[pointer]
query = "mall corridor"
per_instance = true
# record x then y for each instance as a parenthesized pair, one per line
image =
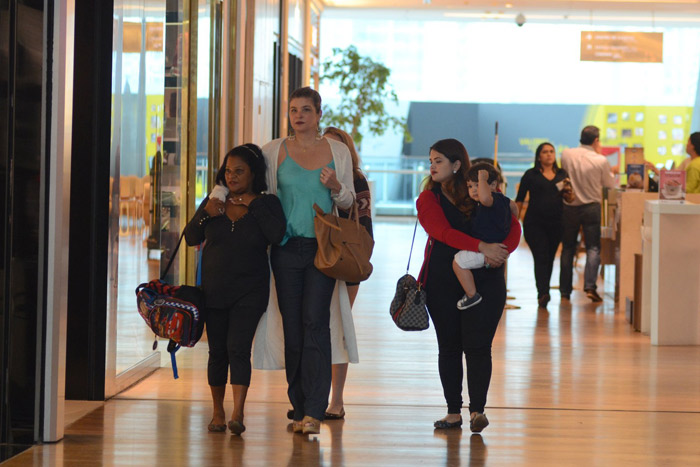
(572, 385)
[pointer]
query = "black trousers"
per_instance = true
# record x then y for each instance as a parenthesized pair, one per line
(230, 332)
(304, 296)
(543, 238)
(469, 333)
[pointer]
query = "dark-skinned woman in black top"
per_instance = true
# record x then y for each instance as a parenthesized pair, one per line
(548, 185)
(235, 272)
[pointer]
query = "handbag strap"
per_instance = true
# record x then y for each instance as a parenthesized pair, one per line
(172, 257)
(423, 274)
(410, 252)
(353, 213)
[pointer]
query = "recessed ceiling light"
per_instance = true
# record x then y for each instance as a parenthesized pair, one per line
(509, 5)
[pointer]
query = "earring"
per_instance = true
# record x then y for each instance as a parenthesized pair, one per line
(318, 132)
(454, 171)
(292, 137)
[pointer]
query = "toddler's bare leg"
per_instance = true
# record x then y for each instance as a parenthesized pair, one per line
(466, 278)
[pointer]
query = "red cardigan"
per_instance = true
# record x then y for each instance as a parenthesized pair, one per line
(433, 220)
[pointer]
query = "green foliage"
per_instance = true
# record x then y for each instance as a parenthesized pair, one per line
(364, 88)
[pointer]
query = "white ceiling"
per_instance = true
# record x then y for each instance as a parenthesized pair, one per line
(624, 5)
(651, 13)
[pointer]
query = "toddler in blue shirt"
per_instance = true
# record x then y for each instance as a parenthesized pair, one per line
(490, 223)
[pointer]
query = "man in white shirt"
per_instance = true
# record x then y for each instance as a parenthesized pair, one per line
(589, 172)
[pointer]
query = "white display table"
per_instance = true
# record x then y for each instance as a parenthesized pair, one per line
(671, 273)
(631, 206)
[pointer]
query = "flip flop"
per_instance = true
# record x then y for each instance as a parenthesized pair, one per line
(443, 424)
(335, 416)
(236, 427)
(216, 428)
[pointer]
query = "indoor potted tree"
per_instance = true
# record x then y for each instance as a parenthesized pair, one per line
(364, 90)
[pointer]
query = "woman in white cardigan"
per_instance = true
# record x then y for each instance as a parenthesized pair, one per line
(302, 170)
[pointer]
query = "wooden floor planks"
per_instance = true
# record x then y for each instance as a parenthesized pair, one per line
(572, 385)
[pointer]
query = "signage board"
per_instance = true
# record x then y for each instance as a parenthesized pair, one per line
(618, 46)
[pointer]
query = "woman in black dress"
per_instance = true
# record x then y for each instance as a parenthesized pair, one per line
(548, 185)
(235, 272)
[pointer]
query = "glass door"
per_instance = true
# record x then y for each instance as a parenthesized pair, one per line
(164, 126)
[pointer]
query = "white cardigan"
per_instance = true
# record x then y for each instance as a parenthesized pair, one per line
(343, 170)
(268, 348)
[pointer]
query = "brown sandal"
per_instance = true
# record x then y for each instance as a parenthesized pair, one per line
(297, 426)
(311, 426)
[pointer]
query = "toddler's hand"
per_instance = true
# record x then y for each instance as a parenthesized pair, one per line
(483, 176)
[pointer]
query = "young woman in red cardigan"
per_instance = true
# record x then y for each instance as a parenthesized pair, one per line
(444, 211)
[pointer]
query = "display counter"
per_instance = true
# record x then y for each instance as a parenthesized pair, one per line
(671, 273)
(631, 205)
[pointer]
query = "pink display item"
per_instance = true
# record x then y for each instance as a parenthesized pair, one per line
(672, 185)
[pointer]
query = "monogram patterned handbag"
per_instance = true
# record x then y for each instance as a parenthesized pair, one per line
(408, 308)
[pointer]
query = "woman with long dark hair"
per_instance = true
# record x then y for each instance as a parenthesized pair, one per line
(548, 185)
(444, 211)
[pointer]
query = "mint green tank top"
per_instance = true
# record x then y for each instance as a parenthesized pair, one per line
(298, 189)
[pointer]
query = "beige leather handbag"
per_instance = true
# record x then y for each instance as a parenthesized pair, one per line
(344, 246)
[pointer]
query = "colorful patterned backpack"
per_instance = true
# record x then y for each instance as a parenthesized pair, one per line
(172, 312)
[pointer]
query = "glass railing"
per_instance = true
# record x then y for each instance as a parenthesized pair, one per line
(397, 181)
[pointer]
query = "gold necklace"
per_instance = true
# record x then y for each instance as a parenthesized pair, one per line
(305, 148)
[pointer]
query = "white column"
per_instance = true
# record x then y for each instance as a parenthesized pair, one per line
(58, 211)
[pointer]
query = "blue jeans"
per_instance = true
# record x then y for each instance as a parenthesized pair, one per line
(304, 296)
(586, 216)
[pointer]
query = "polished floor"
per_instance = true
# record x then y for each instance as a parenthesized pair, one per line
(573, 384)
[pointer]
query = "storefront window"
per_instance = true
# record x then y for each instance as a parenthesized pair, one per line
(314, 53)
(137, 104)
(153, 155)
(295, 18)
(206, 140)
